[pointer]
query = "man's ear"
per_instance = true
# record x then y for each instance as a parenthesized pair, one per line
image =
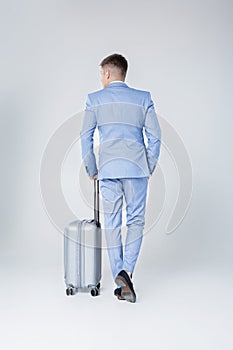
(108, 73)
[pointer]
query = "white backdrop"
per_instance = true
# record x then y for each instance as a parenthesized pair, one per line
(181, 51)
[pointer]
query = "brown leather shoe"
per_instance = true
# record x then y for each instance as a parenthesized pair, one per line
(127, 290)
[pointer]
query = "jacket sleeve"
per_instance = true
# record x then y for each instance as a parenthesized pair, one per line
(153, 134)
(86, 135)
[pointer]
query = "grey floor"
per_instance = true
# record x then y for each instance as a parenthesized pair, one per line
(178, 307)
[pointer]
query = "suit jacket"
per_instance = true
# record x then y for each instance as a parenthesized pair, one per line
(122, 114)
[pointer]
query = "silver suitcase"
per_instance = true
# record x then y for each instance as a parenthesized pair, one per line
(82, 252)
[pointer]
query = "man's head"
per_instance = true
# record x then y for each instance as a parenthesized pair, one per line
(113, 67)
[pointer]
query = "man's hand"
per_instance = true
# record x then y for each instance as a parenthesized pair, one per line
(93, 177)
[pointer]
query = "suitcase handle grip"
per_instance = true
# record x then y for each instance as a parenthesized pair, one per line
(96, 202)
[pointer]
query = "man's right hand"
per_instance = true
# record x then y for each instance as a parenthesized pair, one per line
(94, 177)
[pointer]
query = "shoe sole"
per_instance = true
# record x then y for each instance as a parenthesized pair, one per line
(126, 292)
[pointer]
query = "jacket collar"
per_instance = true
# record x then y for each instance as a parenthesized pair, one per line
(117, 83)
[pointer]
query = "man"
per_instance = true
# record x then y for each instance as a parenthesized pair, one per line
(121, 113)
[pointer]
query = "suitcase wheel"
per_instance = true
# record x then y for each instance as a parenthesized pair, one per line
(95, 292)
(70, 291)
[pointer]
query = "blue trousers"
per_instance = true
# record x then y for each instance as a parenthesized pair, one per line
(134, 190)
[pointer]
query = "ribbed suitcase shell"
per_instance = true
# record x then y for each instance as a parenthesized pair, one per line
(82, 256)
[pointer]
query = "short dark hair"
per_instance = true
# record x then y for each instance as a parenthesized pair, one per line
(116, 60)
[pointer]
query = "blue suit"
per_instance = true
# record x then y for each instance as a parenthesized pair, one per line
(122, 114)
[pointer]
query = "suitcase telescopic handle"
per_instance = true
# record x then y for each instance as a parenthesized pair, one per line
(96, 202)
